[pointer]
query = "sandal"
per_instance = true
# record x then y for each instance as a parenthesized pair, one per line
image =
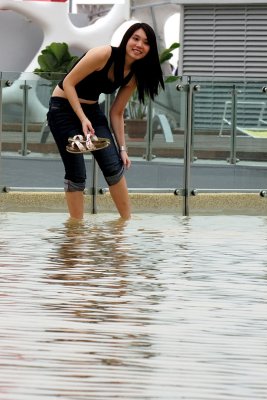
(79, 145)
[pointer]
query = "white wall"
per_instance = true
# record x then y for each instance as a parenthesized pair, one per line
(16, 33)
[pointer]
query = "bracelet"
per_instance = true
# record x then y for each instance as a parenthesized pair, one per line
(123, 148)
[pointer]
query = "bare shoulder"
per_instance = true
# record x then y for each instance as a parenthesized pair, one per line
(94, 60)
(100, 53)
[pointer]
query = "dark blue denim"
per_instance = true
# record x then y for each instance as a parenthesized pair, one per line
(64, 123)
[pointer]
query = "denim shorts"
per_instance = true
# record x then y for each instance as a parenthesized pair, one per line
(64, 123)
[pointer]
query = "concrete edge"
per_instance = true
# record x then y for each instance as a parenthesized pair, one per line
(219, 203)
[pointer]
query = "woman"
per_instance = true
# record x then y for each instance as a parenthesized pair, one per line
(74, 110)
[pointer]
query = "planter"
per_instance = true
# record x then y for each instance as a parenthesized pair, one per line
(135, 128)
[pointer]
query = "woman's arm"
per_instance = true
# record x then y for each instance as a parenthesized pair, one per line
(117, 118)
(94, 60)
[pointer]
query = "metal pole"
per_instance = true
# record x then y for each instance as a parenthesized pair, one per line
(232, 158)
(107, 106)
(25, 89)
(94, 185)
(187, 149)
(149, 156)
(95, 165)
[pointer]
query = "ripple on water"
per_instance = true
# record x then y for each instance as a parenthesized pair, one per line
(159, 307)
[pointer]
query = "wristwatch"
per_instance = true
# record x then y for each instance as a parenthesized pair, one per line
(123, 148)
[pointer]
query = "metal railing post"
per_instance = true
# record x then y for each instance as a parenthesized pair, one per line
(232, 158)
(107, 106)
(25, 94)
(95, 167)
(187, 148)
(149, 156)
(94, 186)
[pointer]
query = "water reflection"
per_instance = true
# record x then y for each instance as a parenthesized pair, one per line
(159, 307)
(109, 299)
(84, 249)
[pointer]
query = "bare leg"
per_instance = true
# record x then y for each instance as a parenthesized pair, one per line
(75, 202)
(120, 196)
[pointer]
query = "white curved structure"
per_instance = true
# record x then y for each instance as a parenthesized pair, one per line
(54, 20)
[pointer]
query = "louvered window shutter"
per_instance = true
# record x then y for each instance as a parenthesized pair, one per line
(224, 41)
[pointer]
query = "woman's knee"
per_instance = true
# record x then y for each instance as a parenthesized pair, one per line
(114, 178)
(70, 186)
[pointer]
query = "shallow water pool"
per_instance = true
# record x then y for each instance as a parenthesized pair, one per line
(159, 307)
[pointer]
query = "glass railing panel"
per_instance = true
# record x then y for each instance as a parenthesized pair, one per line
(29, 155)
(168, 123)
(160, 142)
(25, 98)
(210, 138)
(31, 159)
(228, 143)
(136, 115)
(166, 130)
(12, 112)
(251, 123)
(226, 158)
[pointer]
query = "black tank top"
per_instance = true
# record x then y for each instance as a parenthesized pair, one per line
(98, 82)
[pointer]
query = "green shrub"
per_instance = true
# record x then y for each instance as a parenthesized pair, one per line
(55, 61)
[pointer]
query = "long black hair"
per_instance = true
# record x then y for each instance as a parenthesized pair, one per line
(147, 71)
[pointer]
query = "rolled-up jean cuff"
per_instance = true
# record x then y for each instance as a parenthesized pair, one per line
(70, 186)
(112, 180)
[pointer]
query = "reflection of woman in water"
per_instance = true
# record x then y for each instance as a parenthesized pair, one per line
(100, 304)
(79, 251)
(94, 263)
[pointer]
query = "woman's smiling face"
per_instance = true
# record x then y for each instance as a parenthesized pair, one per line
(137, 46)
